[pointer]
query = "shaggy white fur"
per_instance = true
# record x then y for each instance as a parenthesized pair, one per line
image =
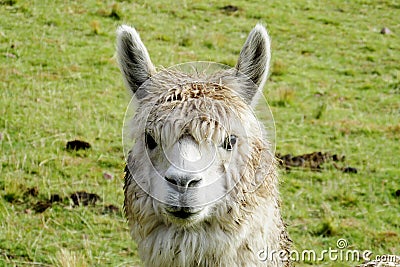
(201, 187)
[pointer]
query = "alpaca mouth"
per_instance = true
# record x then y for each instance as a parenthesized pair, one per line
(183, 213)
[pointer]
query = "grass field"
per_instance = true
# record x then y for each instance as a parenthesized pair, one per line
(334, 87)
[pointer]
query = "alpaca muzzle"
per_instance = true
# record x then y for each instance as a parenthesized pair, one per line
(183, 213)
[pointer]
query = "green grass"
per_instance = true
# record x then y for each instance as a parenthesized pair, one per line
(334, 87)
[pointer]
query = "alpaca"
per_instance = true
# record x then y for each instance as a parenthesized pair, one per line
(201, 186)
(383, 261)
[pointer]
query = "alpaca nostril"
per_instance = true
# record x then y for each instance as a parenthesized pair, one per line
(183, 181)
(171, 180)
(194, 182)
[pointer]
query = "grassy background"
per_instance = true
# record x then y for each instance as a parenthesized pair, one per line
(335, 86)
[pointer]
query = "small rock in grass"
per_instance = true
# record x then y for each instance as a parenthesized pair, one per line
(385, 31)
(28, 211)
(10, 55)
(77, 145)
(108, 176)
(397, 193)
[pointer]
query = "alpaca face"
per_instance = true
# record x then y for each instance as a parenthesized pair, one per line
(192, 158)
(195, 133)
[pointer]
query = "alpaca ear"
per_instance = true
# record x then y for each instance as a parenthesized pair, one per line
(254, 61)
(133, 58)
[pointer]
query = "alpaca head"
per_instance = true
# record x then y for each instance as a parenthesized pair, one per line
(196, 137)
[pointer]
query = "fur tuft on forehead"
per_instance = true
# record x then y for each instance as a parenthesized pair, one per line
(172, 85)
(205, 110)
(185, 91)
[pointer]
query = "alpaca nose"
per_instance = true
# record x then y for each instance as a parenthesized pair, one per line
(182, 179)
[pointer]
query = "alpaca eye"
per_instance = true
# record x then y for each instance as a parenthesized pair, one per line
(229, 142)
(150, 142)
